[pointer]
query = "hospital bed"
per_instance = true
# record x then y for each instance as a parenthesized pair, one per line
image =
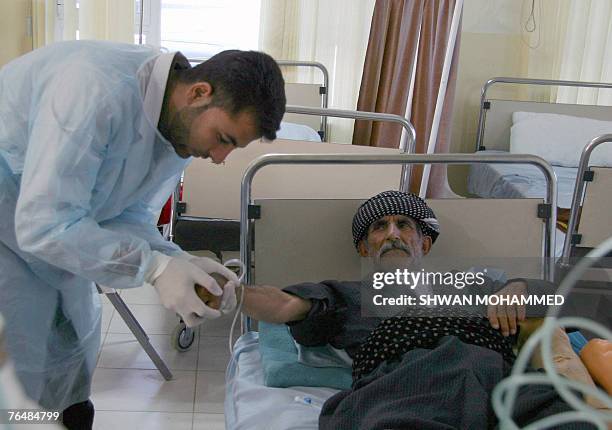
(210, 206)
(271, 228)
(495, 124)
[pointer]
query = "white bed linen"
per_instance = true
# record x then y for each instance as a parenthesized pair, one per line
(508, 181)
(559, 139)
(292, 131)
(249, 404)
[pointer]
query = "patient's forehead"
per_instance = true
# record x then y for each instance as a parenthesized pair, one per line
(393, 218)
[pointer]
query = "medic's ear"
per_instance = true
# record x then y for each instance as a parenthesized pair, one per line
(199, 94)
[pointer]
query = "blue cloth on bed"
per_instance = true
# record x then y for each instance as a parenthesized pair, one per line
(323, 356)
(577, 340)
(281, 367)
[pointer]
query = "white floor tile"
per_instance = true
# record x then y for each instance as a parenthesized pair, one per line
(214, 353)
(218, 327)
(210, 392)
(116, 420)
(107, 314)
(145, 295)
(142, 390)
(154, 319)
(122, 351)
(208, 422)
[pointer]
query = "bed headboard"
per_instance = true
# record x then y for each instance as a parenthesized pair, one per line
(213, 191)
(303, 95)
(498, 117)
(495, 117)
(301, 240)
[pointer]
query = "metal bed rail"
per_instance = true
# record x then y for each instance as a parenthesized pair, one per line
(407, 145)
(324, 90)
(579, 188)
(246, 230)
(523, 81)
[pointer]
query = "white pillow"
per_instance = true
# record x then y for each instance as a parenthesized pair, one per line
(559, 139)
(291, 131)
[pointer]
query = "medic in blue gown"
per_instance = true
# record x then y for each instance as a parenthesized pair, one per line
(93, 139)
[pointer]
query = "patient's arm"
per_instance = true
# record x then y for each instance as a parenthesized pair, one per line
(269, 304)
(261, 302)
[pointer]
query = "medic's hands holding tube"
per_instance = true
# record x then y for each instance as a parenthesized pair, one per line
(175, 279)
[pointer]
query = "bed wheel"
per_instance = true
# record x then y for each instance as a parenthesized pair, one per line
(182, 337)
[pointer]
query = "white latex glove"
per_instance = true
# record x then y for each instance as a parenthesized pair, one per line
(175, 279)
(211, 266)
(228, 300)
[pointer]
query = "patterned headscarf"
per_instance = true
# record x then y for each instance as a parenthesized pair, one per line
(394, 203)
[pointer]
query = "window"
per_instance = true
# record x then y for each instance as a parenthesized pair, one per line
(201, 28)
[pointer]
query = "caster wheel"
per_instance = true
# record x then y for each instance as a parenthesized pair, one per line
(182, 337)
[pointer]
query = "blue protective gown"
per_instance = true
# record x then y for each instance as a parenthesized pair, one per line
(83, 174)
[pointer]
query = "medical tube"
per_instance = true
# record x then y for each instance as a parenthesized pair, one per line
(242, 272)
(504, 394)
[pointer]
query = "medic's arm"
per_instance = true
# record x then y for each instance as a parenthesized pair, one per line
(140, 219)
(70, 132)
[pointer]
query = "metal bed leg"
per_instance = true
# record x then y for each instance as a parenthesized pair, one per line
(140, 334)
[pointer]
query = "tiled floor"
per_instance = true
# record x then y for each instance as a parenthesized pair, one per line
(129, 392)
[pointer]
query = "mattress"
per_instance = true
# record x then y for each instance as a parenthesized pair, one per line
(519, 181)
(249, 404)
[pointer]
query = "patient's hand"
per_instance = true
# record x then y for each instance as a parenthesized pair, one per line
(507, 317)
(207, 297)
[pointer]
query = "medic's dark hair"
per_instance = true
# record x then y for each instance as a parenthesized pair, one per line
(244, 81)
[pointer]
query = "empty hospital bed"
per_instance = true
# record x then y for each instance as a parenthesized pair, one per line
(271, 228)
(556, 132)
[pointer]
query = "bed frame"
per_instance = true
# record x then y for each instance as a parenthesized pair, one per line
(591, 200)
(495, 116)
(591, 190)
(279, 240)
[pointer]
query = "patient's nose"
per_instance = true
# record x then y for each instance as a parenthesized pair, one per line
(393, 231)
